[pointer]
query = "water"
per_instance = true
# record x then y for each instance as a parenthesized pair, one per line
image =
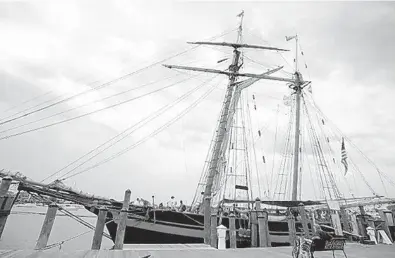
(24, 225)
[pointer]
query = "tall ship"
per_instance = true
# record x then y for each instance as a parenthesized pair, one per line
(309, 155)
(226, 183)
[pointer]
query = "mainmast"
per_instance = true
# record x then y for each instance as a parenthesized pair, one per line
(297, 87)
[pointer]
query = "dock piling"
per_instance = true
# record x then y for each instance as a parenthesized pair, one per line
(6, 202)
(263, 226)
(47, 226)
(123, 215)
(383, 216)
(291, 228)
(5, 185)
(207, 220)
(345, 220)
(100, 223)
(232, 231)
(304, 219)
(214, 239)
(254, 223)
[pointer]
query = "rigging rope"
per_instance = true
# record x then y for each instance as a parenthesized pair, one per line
(101, 86)
(380, 173)
(141, 123)
(160, 129)
(87, 104)
(92, 112)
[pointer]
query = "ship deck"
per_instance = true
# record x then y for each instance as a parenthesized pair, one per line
(192, 251)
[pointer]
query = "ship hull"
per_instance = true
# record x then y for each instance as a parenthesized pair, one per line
(171, 227)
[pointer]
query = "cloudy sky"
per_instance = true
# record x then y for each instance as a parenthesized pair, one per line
(50, 51)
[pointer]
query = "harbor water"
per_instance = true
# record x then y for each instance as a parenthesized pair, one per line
(24, 225)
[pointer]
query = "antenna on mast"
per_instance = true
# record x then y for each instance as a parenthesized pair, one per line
(240, 31)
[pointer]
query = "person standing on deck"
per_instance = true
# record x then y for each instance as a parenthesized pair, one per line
(172, 203)
(182, 207)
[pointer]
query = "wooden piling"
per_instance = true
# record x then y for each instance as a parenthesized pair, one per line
(305, 221)
(100, 223)
(6, 202)
(362, 222)
(123, 215)
(5, 185)
(207, 219)
(232, 231)
(386, 228)
(345, 220)
(254, 229)
(214, 237)
(291, 228)
(47, 226)
(336, 222)
(312, 219)
(263, 227)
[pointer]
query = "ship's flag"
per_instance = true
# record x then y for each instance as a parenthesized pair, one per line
(240, 14)
(344, 157)
(288, 38)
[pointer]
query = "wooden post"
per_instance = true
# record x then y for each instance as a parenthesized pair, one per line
(6, 202)
(5, 185)
(354, 224)
(214, 238)
(263, 226)
(207, 219)
(100, 223)
(362, 223)
(345, 220)
(336, 222)
(123, 215)
(47, 226)
(232, 231)
(305, 222)
(291, 228)
(153, 208)
(384, 218)
(313, 223)
(254, 229)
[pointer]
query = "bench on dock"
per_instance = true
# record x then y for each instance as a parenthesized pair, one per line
(304, 247)
(336, 243)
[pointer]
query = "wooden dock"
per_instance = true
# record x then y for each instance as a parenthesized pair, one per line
(199, 251)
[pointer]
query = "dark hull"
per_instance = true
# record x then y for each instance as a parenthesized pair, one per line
(170, 227)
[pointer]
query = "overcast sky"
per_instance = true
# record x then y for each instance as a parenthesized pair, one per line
(59, 49)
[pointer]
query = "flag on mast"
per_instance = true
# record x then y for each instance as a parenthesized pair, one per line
(344, 157)
(240, 14)
(288, 38)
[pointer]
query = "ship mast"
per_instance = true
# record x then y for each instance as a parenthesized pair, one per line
(298, 91)
(231, 98)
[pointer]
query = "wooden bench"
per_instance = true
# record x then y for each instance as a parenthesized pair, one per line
(336, 243)
(304, 247)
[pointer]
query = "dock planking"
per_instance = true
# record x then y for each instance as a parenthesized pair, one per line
(199, 251)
